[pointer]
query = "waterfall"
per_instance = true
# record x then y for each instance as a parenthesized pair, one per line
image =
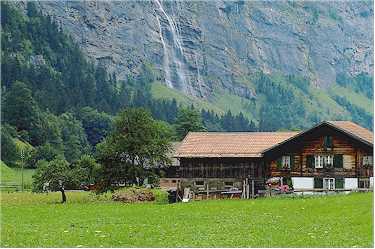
(174, 58)
(166, 67)
(175, 34)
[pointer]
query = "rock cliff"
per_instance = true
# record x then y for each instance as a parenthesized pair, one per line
(198, 46)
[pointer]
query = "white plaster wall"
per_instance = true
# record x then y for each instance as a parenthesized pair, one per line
(303, 182)
(351, 183)
(371, 182)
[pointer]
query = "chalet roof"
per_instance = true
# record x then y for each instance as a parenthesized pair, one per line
(229, 144)
(255, 144)
(347, 127)
(354, 130)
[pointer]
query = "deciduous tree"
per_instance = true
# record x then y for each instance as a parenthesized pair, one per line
(136, 143)
(58, 176)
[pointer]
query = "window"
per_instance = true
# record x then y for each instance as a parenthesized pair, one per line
(367, 161)
(174, 181)
(364, 183)
(328, 161)
(329, 183)
(285, 162)
(318, 162)
(323, 161)
(327, 142)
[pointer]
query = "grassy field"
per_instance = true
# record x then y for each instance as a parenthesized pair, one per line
(14, 176)
(36, 220)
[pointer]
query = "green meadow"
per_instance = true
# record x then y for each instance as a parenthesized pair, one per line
(87, 220)
(13, 176)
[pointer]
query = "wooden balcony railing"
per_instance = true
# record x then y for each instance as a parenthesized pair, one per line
(365, 172)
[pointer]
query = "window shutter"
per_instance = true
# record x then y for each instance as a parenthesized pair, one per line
(288, 181)
(339, 183)
(338, 161)
(330, 142)
(279, 164)
(318, 183)
(292, 162)
(325, 142)
(310, 161)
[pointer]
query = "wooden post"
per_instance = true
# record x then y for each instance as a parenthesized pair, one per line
(247, 188)
(252, 189)
(244, 189)
(177, 189)
(22, 163)
(207, 191)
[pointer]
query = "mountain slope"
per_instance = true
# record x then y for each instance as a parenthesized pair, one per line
(213, 49)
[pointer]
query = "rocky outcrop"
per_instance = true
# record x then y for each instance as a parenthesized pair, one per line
(197, 47)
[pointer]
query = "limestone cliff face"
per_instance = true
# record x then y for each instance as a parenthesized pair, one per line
(198, 46)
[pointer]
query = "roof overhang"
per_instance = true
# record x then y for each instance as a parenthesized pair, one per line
(324, 123)
(218, 155)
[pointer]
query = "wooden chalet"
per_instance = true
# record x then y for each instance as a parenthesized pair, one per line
(331, 155)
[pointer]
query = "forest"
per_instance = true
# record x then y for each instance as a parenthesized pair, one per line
(56, 103)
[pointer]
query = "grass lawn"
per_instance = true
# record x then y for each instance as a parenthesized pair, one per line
(37, 220)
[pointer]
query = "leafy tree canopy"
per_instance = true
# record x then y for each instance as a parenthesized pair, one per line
(56, 175)
(136, 143)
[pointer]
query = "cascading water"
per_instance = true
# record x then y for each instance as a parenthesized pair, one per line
(174, 59)
(166, 67)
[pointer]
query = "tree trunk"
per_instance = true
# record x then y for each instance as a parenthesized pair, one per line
(63, 196)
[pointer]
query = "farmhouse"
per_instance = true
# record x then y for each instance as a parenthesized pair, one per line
(331, 155)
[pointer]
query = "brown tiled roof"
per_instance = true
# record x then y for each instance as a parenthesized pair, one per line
(354, 129)
(229, 144)
(175, 146)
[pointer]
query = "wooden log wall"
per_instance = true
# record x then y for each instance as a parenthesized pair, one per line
(239, 168)
(314, 145)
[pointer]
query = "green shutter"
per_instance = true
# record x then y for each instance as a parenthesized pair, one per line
(339, 183)
(288, 181)
(330, 142)
(327, 142)
(338, 161)
(310, 161)
(318, 183)
(279, 163)
(325, 138)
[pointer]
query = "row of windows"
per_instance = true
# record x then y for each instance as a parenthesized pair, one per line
(338, 183)
(321, 161)
(329, 183)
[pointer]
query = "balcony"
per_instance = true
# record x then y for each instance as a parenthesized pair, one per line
(365, 172)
